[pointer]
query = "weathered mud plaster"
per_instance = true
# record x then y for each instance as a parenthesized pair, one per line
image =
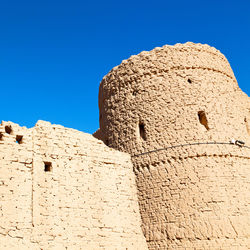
(64, 189)
(191, 195)
(173, 111)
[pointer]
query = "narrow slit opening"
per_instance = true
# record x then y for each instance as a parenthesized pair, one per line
(203, 119)
(247, 125)
(142, 131)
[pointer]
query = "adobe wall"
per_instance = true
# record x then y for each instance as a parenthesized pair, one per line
(15, 187)
(191, 194)
(86, 198)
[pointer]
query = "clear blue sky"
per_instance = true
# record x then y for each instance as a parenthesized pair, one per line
(55, 53)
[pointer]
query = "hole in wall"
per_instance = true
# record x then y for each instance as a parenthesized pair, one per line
(247, 125)
(47, 166)
(106, 142)
(1, 136)
(19, 139)
(135, 92)
(8, 129)
(203, 119)
(142, 131)
(189, 80)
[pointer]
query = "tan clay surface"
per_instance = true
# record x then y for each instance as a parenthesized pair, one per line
(173, 111)
(64, 189)
(192, 195)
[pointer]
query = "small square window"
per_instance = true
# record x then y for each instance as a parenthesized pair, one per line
(19, 139)
(8, 129)
(47, 166)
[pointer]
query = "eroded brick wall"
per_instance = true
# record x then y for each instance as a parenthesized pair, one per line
(15, 187)
(190, 196)
(61, 188)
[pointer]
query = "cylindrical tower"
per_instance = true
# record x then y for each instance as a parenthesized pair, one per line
(175, 109)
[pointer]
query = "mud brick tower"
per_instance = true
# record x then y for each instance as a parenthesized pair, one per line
(175, 109)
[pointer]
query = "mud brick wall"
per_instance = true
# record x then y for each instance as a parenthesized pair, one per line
(15, 186)
(178, 97)
(61, 188)
(174, 110)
